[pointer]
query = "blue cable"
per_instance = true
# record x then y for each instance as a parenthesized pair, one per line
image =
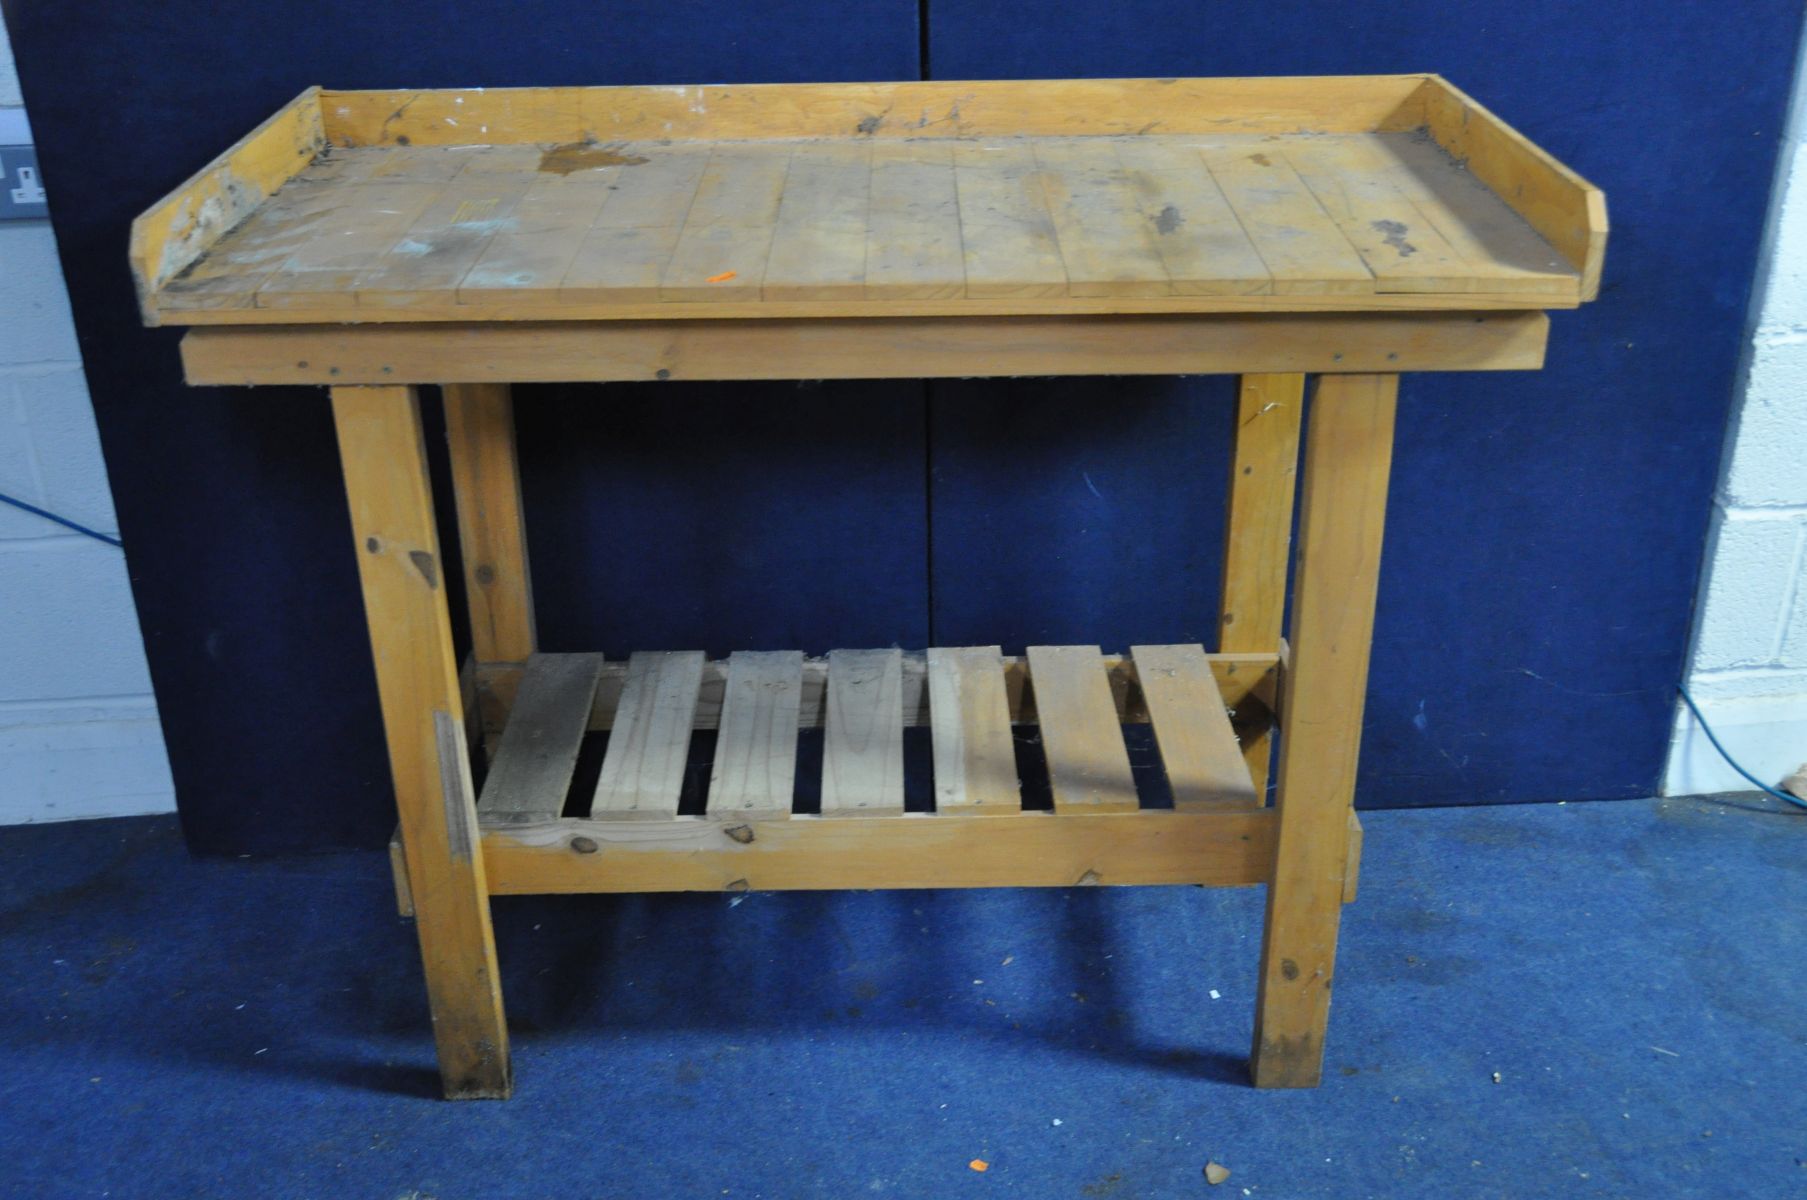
(1708, 730)
(64, 521)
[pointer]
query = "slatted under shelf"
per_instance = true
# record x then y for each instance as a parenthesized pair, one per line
(862, 700)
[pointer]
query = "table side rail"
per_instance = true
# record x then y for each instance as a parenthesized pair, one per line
(866, 348)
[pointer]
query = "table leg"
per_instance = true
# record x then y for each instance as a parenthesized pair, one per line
(492, 537)
(486, 482)
(1348, 453)
(1258, 529)
(399, 566)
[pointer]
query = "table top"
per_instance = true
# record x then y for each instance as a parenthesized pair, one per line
(1270, 210)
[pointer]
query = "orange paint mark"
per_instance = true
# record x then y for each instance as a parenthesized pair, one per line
(979, 1165)
(724, 277)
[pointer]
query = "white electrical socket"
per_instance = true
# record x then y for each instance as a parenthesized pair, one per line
(28, 191)
(21, 189)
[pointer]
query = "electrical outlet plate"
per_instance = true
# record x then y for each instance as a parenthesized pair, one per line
(21, 187)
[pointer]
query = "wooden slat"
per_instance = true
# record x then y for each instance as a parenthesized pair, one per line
(1204, 248)
(455, 116)
(1106, 242)
(1006, 235)
(969, 722)
(819, 241)
(727, 236)
(1343, 502)
(1198, 748)
(1244, 680)
(643, 768)
(913, 246)
(862, 748)
(623, 255)
(658, 193)
(1399, 245)
(520, 268)
(873, 349)
(617, 265)
(444, 242)
(934, 109)
(1299, 244)
(756, 751)
(916, 850)
(1088, 762)
(427, 164)
(1412, 238)
(531, 771)
(527, 260)
(324, 270)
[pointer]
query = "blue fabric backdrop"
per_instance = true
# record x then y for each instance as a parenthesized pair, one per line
(1545, 530)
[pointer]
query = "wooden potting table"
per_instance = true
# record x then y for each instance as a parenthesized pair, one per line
(1348, 228)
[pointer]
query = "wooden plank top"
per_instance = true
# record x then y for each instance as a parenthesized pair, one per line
(1016, 212)
(362, 234)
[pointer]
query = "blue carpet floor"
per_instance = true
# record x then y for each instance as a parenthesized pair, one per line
(1579, 1000)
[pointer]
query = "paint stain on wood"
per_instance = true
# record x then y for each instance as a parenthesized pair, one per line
(1394, 234)
(586, 156)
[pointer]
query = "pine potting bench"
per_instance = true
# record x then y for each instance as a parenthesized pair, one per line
(1345, 228)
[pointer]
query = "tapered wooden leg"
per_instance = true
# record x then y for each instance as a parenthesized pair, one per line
(1258, 530)
(1348, 452)
(399, 566)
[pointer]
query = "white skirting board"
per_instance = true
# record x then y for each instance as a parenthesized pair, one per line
(1766, 734)
(64, 764)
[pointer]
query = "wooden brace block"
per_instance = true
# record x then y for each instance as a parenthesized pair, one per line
(398, 869)
(1352, 871)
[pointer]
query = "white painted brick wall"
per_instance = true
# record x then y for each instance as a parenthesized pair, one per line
(79, 735)
(1748, 668)
(9, 78)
